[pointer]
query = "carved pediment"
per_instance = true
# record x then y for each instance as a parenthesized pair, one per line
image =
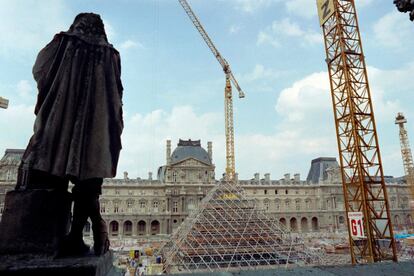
(191, 162)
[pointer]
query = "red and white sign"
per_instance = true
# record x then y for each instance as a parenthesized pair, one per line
(356, 224)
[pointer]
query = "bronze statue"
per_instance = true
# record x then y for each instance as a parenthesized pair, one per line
(405, 6)
(78, 125)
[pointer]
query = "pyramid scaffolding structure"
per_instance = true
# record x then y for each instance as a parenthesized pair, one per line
(229, 232)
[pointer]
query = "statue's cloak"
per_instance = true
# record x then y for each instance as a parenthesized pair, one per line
(79, 108)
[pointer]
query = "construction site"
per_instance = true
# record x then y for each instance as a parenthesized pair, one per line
(229, 231)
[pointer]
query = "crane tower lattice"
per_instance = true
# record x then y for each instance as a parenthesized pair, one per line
(228, 95)
(364, 187)
(407, 157)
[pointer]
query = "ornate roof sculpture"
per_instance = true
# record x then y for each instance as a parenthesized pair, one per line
(12, 157)
(318, 169)
(9, 164)
(229, 232)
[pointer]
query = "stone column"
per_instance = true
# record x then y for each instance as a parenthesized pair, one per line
(168, 152)
(121, 229)
(148, 226)
(210, 150)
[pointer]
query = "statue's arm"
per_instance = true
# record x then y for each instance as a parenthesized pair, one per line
(117, 66)
(42, 69)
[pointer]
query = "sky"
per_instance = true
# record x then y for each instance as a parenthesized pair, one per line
(174, 87)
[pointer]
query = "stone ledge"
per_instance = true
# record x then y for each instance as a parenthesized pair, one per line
(34, 265)
(377, 269)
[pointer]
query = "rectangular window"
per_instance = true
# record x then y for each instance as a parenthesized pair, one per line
(175, 207)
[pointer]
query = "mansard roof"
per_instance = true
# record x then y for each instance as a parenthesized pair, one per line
(190, 149)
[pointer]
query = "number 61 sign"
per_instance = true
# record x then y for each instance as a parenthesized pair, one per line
(356, 224)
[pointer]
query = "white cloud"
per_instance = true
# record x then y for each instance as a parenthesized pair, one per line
(286, 28)
(18, 121)
(24, 89)
(306, 109)
(234, 29)
(307, 9)
(264, 37)
(145, 135)
(260, 72)
(250, 6)
(363, 3)
(303, 8)
(27, 25)
(305, 129)
(393, 31)
(305, 98)
(109, 31)
(130, 44)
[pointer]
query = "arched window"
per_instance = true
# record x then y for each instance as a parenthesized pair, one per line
(127, 228)
(87, 229)
(113, 228)
(155, 227)
(315, 224)
(142, 229)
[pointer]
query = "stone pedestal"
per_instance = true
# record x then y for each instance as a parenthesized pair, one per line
(34, 221)
(33, 265)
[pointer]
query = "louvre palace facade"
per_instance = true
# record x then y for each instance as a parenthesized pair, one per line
(154, 207)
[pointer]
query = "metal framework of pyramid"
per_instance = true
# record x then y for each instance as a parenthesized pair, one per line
(228, 232)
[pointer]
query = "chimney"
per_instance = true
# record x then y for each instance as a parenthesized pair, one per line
(236, 177)
(287, 177)
(149, 175)
(210, 150)
(126, 175)
(256, 177)
(267, 177)
(168, 153)
(297, 177)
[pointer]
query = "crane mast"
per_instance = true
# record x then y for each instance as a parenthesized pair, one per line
(228, 95)
(407, 156)
(365, 193)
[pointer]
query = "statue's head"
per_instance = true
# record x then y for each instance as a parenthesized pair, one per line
(404, 5)
(88, 24)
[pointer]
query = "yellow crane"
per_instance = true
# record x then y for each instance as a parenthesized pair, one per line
(367, 207)
(228, 96)
(407, 157)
